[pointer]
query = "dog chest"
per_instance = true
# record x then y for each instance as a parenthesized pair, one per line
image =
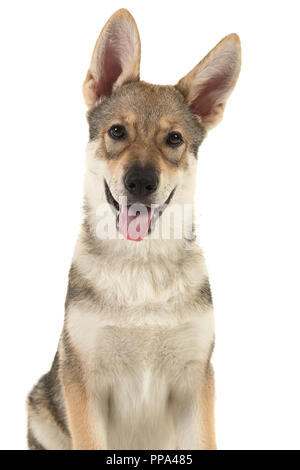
(134, 366)
(140, 352)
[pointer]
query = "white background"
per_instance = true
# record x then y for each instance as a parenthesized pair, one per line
(248, 196)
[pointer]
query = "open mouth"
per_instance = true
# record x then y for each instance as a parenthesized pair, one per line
(136, 221)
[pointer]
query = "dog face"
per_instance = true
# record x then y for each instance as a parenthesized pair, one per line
(144, 138)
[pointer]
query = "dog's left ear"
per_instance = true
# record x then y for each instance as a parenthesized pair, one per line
(207, 87)
(116, 58)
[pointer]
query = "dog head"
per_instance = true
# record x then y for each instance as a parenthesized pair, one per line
(144, 138)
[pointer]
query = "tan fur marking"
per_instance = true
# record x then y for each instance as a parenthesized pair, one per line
(77, 400)
(207, 400)
(77, 405)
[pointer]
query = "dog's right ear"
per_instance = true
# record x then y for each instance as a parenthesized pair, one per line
(116, 58)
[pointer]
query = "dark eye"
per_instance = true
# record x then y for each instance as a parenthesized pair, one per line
(174, 139)
(117, 132)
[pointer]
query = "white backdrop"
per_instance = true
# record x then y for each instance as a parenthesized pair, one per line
(248, 196)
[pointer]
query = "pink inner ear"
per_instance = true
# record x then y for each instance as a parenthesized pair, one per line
(111, 69)
(209, 93)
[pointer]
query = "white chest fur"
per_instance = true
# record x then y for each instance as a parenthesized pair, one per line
(151, 343)
(138, 367)
(144, 340)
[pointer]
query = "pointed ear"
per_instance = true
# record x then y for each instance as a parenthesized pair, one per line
(209, 84)
(116, 58)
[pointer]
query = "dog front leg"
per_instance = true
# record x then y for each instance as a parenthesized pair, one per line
(85, 417)
(193, 413)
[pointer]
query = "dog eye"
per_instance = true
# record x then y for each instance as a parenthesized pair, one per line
(117, 132)
(174, 139)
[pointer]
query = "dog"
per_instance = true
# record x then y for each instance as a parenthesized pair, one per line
(133, 365)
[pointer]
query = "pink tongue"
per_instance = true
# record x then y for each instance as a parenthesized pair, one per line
(134, 221)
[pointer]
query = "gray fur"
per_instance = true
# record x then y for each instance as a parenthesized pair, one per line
(205, 293)
(149, 103)
(33, 443)
(48, 394)
(79, 288)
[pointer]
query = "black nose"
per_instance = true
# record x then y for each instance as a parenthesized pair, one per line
(141, 182)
